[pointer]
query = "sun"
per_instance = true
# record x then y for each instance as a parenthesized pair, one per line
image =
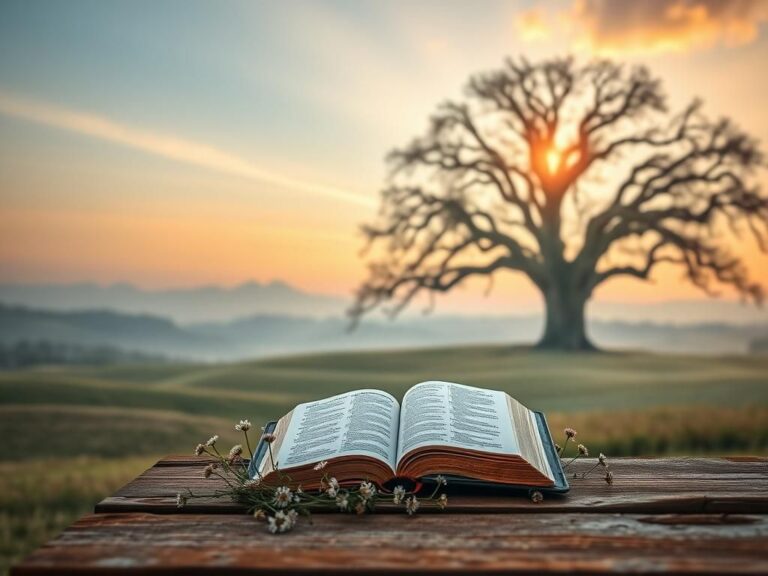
(554, 158)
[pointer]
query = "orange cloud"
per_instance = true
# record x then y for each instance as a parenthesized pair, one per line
(611, 27)
(532, 25)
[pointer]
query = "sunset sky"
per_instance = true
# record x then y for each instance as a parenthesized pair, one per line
(184, 143)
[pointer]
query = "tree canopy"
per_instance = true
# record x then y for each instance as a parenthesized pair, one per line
(571, 174)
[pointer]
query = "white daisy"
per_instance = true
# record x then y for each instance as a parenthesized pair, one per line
(208, 470)
(281, 521)
(243, 426)
(411, 505)
(283, 497)
(398, 494)
(367, 490)
(342, 501)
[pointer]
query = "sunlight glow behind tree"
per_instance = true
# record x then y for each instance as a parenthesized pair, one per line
(514, 178)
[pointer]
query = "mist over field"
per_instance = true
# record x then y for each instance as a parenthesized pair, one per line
(197, 199)
(214, 324)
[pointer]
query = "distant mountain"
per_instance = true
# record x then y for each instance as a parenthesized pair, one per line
(269, 335)
(25, 354)
(220, 304)
(93, 328)
(184, 305)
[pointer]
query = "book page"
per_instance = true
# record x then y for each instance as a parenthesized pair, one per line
(446, 414)
(362, 422)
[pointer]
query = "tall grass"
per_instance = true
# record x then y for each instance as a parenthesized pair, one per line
(39, 499)
(78, 433)
(65, 431)
(668, 430)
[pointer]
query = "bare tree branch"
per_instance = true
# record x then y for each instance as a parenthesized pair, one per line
(484, 188)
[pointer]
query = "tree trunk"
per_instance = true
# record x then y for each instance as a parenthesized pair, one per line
(565, 326)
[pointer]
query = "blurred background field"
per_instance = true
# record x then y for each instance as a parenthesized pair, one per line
(75, 434)
(182, 193)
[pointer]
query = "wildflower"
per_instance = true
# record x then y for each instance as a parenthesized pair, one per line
(281, 521)
(252, 483)
(259, 514)
(411, 505)
(570, 432)
(209, 470)
(235, 451)
(608, 477)
(283, 497)
(367, 490)
(583, 450)
(398, 494)
(360, 507)
(243, 426)
(212, 440)
(269, 438)
(199, 450)
(601, 459)
(321, 465)
(181, 500)
(441, 480)
(330, 486)
(537, 497)
(342, 501)
(443, 501)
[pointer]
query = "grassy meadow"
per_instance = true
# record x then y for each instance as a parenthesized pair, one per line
(75, 434)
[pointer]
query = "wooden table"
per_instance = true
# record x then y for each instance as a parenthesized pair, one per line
(675, 515)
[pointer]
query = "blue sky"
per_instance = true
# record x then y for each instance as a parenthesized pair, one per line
(175, 143)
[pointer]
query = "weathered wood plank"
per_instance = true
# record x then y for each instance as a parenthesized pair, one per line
(387, 544)
(675, 485)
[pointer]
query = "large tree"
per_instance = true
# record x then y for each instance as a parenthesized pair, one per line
(571, 174)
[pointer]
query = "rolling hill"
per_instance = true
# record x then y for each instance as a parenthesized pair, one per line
(269, 335)
(80, 432)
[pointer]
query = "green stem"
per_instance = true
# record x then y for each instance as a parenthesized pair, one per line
(571, 461)
(248, 444)
(590, 470)
(223, 477)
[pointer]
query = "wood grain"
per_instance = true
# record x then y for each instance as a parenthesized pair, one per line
(652, 486)
(680, 515)
(387, 544)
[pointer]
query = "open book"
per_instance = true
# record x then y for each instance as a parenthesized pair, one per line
(440, 428)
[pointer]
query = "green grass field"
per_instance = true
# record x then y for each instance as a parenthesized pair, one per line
(77, 434)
